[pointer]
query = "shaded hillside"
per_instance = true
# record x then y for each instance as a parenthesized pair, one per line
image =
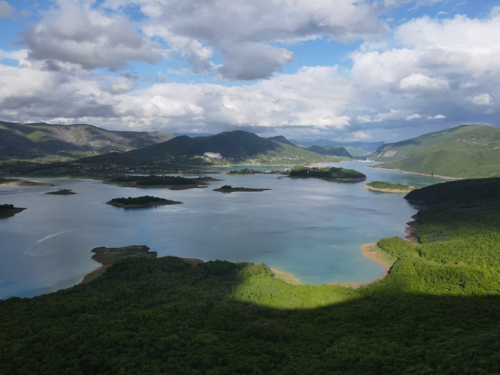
(465, 151)
(329, 150)
(435, 313)
(233, 147)
(40, 140)
(357, 148)
(281, 139)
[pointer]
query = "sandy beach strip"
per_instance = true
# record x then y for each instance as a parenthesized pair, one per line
(285, 276)
(382, 190)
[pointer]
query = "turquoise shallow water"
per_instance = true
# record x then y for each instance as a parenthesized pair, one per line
(309, 227)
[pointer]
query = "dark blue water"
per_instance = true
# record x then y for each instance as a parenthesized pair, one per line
(311, 228)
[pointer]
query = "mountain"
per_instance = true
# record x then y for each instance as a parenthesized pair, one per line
(281, 139)
(354, 148)
(42, 140)
(235, 146)
(329, 150)
(464, 151)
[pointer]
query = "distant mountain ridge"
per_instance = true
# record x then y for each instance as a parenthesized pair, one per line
(237, 145)
(40, 139)
(357, 148)
(465, 151)
(329, 150)
(281, 139)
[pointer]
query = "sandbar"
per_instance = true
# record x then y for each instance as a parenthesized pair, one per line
(287, 277)
(382, 190)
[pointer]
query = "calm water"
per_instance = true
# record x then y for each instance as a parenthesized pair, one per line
(309, 227)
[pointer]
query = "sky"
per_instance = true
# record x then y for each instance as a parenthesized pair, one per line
(348, 70)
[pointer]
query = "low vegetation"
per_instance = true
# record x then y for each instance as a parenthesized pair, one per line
(436, 312)
(389, 187)
(328, 173)
(464, 152)
(62, 192)
(144, 201)
(6, 207)
(230, 189)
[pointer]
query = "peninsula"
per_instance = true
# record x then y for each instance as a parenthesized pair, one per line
(140, 202)
(8, 210)
(107, 256)
(230, 189)
(161, 181)
(327, 173)
(388, 187)
(19, 182)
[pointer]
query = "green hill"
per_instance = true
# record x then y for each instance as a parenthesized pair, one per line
(435, 313)
(227, 147)
(28, 141)
(466, 151)
(329, 150)
(281, 139)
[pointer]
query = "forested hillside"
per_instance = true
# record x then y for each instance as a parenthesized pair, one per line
(27, 141)
(466, 151)
(436, 312)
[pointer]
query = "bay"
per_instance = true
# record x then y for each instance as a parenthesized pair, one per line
(309, 227)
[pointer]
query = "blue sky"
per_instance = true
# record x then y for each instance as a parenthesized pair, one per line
(339, 69)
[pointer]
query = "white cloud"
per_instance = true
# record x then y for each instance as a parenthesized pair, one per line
(393, 114)
(6, 10)
(415, 116)
(364, 119)
(439, 117)
(482, 99)
(361, 135)
(312, 97)
(80, 35)
(419, 83)
(244, 32)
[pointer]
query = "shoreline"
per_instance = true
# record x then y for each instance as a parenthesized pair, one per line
(377, 255)
(12, 212)
(421, 174)
(382, 190)
(287, 277)
(146, 205)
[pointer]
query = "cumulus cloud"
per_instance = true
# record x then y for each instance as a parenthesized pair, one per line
(420, 83)
(482, 99)
(364, 119)
(313, 97)
(6, 10)
(78, 34)
(414, 116)
(244, 31)
(249, 61)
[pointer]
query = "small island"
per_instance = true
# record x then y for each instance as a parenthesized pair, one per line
(140, 202)
(61, 192)
(327, 173)
(247, 171)
(161, 181)
(8, 210)
(230, 189)
(19, 182)
(109, 255)
(388, 187)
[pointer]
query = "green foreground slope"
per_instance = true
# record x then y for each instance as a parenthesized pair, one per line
(466, 151)
(436, 312)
